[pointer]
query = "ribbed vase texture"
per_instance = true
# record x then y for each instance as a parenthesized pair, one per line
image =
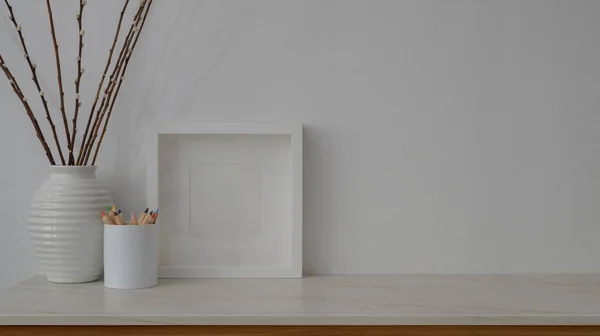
(65, 226)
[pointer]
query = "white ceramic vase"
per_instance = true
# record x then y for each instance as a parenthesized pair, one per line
(65, 226)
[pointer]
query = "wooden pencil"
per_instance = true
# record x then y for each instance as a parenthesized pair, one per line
(112, 217)
(141, 217)
(105, 218)
(133, 220)
(155, 216)
(118, 219)
(122, 219)
(148, 217)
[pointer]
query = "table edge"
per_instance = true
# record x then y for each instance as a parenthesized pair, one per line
(350, 320)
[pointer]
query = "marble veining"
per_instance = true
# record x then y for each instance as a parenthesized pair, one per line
(390, 299)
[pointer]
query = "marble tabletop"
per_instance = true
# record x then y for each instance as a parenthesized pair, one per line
(345, 300)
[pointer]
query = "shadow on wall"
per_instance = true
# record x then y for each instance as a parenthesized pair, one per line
(317, 199)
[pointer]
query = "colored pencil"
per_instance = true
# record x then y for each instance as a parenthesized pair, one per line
(115, 217)
(111, 215)
(105, 218)
(141, 217)
(148, 218)
(118, 219)
(121, 216)
(155, 216)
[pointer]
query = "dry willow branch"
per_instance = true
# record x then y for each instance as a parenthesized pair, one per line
(36, 126)
(60, 85)
(112, 83)
(110, 54)
(77, 80)
(129, 53)
(35, 79)
(108, 92)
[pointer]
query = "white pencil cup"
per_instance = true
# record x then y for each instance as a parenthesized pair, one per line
(130, 256)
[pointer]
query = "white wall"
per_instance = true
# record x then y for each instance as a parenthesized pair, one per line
(441, 136)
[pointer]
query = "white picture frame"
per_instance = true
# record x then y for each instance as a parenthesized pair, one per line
(224, 182)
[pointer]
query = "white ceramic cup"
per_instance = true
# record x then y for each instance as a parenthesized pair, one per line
(130, 256)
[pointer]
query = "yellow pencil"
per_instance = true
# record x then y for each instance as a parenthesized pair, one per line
(111, 216)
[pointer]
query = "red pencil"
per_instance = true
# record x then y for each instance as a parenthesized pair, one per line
(105, 218)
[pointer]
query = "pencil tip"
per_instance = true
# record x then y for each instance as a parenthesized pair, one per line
(118, 213)
(102, 213)
(146, 211)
